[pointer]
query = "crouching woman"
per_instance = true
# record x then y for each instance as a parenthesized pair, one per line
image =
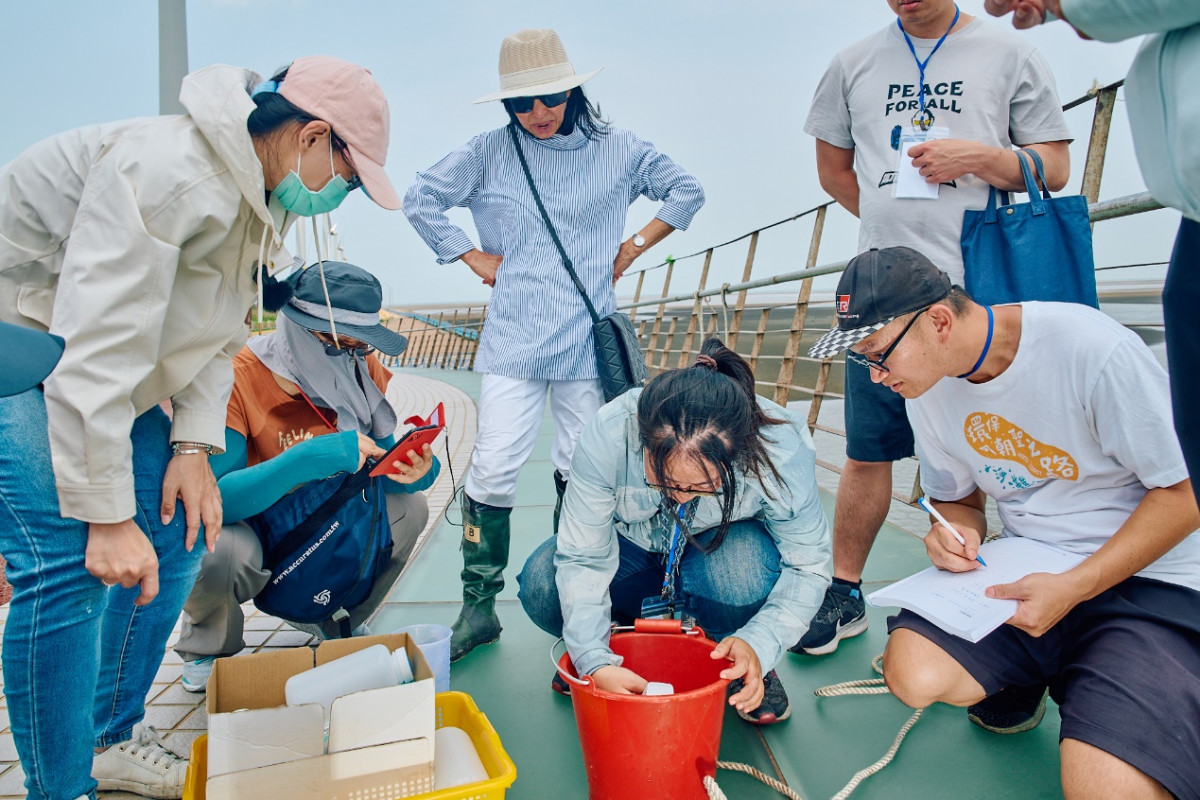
(696, 494)
(307, 411)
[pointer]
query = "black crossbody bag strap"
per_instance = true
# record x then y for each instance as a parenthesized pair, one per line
(353, 484)
(553, 233)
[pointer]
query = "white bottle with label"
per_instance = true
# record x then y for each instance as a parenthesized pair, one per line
(370, 668)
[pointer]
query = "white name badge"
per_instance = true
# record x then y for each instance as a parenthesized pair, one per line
(910, 183)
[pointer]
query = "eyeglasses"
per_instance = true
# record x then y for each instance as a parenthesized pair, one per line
(877, 363)
(665, 489)
(344, 346)
(523, 105)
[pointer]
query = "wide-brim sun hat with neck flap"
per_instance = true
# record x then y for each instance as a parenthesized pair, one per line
(534, 62)
(347, 97)
(354, 298)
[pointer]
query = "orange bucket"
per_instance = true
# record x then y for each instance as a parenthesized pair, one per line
(661, 746)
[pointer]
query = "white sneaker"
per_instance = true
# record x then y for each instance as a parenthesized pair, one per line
(143, 765)
(196, 673)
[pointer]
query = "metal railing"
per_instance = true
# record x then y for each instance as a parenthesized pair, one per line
(772, 332)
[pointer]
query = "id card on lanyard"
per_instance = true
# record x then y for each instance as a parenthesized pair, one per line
(910, 183)
(662, 605)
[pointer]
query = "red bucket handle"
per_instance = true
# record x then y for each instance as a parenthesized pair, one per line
(668, 626)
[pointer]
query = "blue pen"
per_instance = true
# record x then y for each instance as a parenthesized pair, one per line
(925, 504)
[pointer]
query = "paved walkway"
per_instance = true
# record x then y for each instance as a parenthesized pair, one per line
(180, 715)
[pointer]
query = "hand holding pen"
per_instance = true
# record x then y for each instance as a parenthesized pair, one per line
(925, 504)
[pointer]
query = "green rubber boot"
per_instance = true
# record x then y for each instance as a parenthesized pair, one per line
(560, 486)
(485, 555)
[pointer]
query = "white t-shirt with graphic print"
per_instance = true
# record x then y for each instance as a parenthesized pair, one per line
(985, 84)
(1067, 440)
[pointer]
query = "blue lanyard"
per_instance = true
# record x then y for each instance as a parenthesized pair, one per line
(986, 346)
(925, 116)
(668, 590)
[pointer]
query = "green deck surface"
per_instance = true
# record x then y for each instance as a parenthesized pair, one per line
(815, 752)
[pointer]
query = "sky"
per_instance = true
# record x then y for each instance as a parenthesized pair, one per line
(723, 88)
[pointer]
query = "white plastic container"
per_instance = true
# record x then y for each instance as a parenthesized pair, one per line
(455, 762)
(656, 689)
(370, 668)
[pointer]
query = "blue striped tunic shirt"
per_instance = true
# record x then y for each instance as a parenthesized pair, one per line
(537, 326)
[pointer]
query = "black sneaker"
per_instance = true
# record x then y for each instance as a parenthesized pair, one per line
(774, 707)
(1012, 710)
(842, 614)
(560, 685)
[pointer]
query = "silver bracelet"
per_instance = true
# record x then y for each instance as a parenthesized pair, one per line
(191, 448)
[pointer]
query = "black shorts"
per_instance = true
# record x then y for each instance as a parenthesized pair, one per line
(1124, 668)
(877, 426)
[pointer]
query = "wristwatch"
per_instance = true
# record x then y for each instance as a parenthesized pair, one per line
(639, 240)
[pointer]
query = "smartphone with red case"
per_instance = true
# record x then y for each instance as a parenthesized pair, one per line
(415, 439)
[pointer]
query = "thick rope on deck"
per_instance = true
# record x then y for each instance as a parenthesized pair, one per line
(868, 686)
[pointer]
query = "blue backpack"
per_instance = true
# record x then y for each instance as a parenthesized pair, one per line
(325, 543)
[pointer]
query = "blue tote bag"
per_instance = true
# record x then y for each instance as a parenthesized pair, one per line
(1040, 250)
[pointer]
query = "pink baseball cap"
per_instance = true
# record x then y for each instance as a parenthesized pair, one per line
(347, 97)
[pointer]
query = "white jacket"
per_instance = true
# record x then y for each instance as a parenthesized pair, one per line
(136, 242)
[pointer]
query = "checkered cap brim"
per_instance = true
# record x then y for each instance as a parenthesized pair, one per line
(838, 340)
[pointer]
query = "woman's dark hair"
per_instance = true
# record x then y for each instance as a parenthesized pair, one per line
(710, 417)
(580, 112)
(274, 112)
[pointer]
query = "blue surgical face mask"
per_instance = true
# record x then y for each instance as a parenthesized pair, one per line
(297, 198)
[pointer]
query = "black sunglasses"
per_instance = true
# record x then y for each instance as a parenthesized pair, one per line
(877, 363)
(523, 105)
(341, 347)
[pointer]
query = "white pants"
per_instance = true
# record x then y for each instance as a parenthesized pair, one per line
(510, 414)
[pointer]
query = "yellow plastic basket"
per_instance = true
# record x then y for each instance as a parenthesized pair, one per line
(456, 709)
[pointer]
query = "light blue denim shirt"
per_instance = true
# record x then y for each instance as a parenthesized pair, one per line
(607, 497)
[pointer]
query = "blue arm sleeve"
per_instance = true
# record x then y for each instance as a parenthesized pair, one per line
(234, 456)
(248, 491)
(391, 487)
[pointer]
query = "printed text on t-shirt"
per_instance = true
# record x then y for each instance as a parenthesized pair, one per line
(938, 97)
(993, 436)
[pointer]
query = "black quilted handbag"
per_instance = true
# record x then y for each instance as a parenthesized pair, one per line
(618, 357)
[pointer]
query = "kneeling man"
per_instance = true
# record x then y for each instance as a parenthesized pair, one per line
(1063, 417)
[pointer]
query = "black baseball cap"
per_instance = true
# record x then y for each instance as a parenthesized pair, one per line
(878, 286)
(355, 297)
(27, 357)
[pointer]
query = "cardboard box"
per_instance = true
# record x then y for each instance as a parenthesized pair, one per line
(261, 747)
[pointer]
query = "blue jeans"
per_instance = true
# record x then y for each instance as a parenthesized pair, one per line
(79, 658)
(722, 590)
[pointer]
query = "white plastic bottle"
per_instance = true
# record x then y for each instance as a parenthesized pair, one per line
(370, 668)
(455, 762)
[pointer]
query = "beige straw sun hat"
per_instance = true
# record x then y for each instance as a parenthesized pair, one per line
(534, 62)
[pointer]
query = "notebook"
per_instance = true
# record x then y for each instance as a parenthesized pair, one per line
(955, 601)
